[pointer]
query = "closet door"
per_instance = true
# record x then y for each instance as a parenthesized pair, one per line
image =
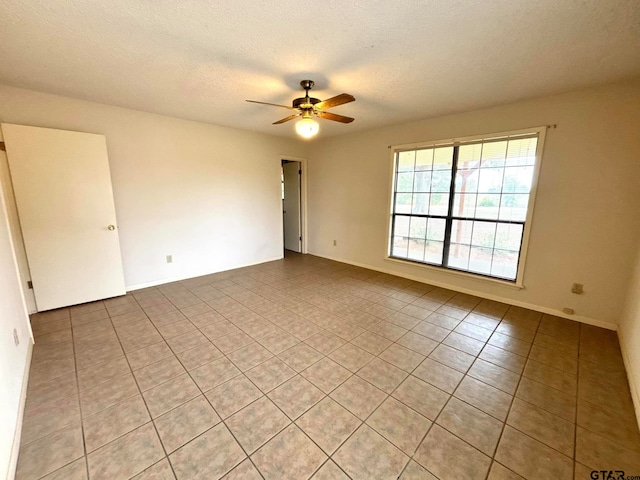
(62, 185)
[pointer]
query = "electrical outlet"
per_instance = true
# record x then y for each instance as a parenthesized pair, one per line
(335, 243)
(577, 288)
(568, 311)
(16, 339)
(169, 258)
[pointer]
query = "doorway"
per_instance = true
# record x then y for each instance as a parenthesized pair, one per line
(292, 211)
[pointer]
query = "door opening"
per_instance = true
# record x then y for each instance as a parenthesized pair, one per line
(292, 205)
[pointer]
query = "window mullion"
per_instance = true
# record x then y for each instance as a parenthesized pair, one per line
(449, 222)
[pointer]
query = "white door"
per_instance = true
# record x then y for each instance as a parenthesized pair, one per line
(291, 206)
(62, 186)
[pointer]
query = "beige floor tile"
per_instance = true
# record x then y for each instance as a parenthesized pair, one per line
(616, 425)
(278, 342)
(422, 397)
(452, 358)
(402, 357)
(290, 455)
(431, 331)
(185, 422)
(209, 456)
(464, 343)
(157, 373)
(415, 471)
(358, 396)
(495, 376)
(126, 456)
(233, 395)
(503, 358)
(159, 471)
(107, 394)
(475, 427)
(351, 357)
(372, 343)
(231, 342)
(326, 374)
(296, 396)
(169, 395)
(598, 453)
(367, 455)
(542, 426)
(474, 331)
(250, 356)
(148, 355)
(198, 356)
(399, 424)
(300, 356)
(553, 377)
(418, 343)
(214, 373)
(547, 398)
(330, 471)
(325, 342)
(245, 471)
(530, 458)
(76, 470)
(581, 472)
(439, 375)
(50, 453)
(500, 472)
(45, 418)
(255, 424)
(447, 456)
(328, 424)
(382, 375)
(485, 397)
(510, 344)
(113, 422)
(186, 341)
(270, 374)
(446, 321)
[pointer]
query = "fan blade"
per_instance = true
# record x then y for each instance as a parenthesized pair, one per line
(334, 117)
(290, 117)
(272, 104)
(335, 101)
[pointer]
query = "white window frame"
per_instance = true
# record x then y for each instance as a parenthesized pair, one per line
(518, 282)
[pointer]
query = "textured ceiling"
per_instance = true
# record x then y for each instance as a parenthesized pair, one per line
(402, 60)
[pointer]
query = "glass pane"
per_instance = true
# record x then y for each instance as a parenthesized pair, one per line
(443, 158)
(469, 156)
(424, 159)
(418, 228)
(400, 247)
(406, 161)
(441, 181)
(403, 203)
(487, 206)
(494, 154)
(467, 180)
(522, 152)
(433, 252)
(490, 180)
(513, 206)
(484, 234)
(435, 229)
(459, 256)
(405, 182)
(401, 226)
(480, 260)
(517, 179)
(420, 203)
(439, 204)
(508, 236)
(422, 181)
(505, 264)
(464, 205)
(416, 249)
(461, 231)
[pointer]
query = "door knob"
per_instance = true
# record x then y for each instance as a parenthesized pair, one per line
(111, 227)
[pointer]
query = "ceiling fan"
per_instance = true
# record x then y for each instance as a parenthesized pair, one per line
(307, 107)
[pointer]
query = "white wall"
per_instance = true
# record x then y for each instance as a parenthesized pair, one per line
(586, 223)
(13, 359)
(208, 195)
(629, 334)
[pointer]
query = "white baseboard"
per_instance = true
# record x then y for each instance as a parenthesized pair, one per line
(497, 298)
(633, 386)
(163, 281)
(15, 449)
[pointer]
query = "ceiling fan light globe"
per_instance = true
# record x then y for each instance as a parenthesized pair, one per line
(307, 127)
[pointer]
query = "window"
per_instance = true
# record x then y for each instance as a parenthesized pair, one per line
(466, 204)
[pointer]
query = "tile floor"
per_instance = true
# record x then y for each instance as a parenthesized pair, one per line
(306, 368)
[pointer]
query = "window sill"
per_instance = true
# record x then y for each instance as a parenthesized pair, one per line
(456, 273)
